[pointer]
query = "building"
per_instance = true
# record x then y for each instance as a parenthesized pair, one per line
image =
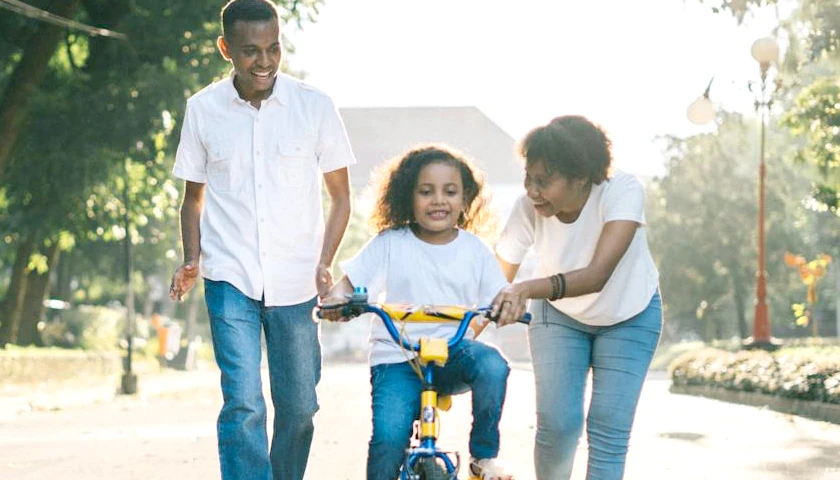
(380, 133)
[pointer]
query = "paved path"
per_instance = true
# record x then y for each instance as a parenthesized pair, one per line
(168, 432)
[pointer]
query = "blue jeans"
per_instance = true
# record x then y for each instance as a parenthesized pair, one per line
(294, 369)
(563, 352)
(472, 365)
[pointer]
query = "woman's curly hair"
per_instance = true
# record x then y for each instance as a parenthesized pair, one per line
(397, 180)
(572, 146)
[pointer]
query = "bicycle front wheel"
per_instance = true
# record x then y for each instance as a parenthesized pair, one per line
(431, 469)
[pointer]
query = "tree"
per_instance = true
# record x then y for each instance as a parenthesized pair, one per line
(101, 122)
(702, 218)
(809, 69)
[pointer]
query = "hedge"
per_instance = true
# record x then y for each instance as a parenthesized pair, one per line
(807, 373)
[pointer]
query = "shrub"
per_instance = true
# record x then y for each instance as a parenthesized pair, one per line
(87, 327)
(807, 373)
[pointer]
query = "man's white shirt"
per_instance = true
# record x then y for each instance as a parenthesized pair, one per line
(262, 226)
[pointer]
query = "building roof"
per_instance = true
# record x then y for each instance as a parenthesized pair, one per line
(378, 134)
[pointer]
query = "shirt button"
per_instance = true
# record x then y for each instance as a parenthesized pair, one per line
(259, 186)
(258, 153)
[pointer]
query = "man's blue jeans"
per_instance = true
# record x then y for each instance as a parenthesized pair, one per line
(294, 369)
(563, 352)
(472, 365)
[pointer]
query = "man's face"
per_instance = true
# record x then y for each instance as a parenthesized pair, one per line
(254, 50)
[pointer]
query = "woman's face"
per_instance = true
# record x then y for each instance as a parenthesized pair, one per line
(552, 193)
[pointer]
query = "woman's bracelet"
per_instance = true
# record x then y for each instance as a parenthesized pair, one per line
(558, 287)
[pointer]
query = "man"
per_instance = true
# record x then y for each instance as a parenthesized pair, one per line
(251, 152)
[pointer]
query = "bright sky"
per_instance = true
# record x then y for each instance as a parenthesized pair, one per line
(633, 66)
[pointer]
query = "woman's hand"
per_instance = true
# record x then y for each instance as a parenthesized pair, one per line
(510, 304)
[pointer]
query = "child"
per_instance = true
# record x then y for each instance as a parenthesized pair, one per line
(424, 255)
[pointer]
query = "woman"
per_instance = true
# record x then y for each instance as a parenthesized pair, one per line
(596, 297)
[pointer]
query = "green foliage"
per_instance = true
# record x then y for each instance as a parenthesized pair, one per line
(101, 133)
(702, 224)
(815, 117)
(808, 71)
(737, 8)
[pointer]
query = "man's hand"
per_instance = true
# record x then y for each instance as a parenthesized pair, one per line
(183, 281)
(323, 280)
(510, 304)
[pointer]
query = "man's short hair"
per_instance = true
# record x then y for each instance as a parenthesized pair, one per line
(247, 11)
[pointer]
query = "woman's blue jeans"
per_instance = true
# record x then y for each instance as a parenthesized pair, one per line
(563, 352)
(294, 369)
(472, 365)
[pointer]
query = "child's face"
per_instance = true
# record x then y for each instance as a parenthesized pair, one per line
(438, 202)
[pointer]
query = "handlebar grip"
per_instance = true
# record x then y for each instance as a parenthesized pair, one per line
(526, 319)
(318, 311)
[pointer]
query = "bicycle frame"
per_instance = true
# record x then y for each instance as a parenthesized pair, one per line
(431, 352)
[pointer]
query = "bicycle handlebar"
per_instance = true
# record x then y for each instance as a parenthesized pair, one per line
(357, 304)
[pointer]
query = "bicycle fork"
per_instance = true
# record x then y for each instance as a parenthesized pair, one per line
(428, 426)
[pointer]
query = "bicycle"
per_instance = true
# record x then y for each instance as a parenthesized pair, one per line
(424, 460)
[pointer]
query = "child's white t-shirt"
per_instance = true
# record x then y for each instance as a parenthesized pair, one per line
(397, 267)
(562, 247)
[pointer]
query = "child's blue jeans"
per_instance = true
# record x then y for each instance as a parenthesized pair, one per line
(472, 365)
(564, 351)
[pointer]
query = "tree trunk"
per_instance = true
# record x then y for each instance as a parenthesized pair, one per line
(27, 76)
(12, 305)
(37, 291)
(739, 297)
(64, 275)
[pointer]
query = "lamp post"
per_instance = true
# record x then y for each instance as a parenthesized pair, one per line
(765, 51)
(128, 382)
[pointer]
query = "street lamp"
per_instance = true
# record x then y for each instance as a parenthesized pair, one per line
(702, 111)
(765, 51)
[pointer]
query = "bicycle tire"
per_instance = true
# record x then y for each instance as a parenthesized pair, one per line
(431, 469)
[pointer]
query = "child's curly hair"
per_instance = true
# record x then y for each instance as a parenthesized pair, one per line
(398, 178)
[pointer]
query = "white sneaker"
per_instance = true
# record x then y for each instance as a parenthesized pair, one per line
(488, 469)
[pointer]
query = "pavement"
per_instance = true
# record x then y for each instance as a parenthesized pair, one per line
(86, 430)
(21, 398)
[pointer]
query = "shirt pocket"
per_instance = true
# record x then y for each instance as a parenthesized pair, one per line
(220, 167)
(296, 165)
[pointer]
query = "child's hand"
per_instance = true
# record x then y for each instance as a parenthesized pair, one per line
(332, 309)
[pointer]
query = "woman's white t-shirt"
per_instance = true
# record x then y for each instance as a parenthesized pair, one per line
(397, 267)
(562, 247)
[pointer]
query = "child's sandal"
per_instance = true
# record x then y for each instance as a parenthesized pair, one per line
(488, 469)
